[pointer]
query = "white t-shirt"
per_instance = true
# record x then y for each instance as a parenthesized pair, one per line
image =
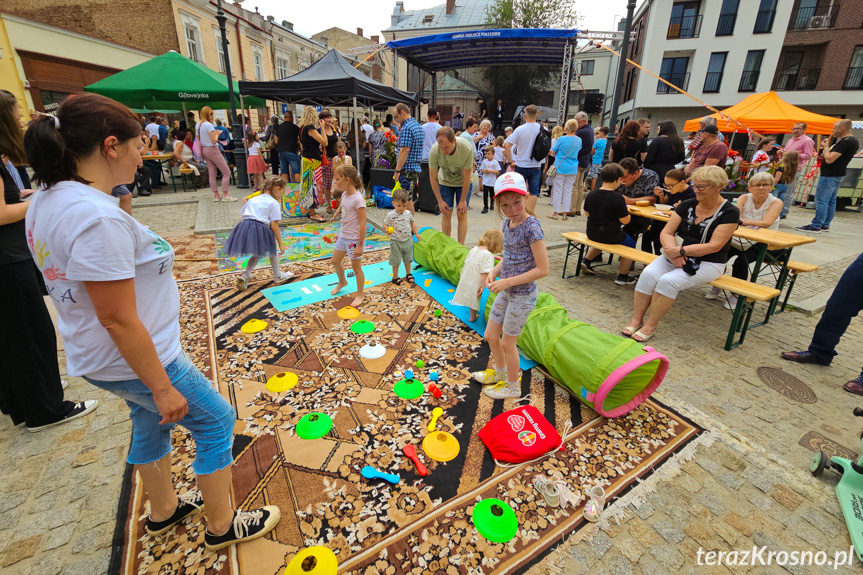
(430, 138)
(759, 157)
(367, 130)
(152, 129)
(78, 233)
(204, 129)
(522, 140)
(490, 179)
(499, 155)
(255, 149)
(264, 208)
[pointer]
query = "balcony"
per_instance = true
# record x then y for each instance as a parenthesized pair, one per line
(684, 27)
(679, 80)
(814, 18)
(725, 25)
(764, 21)
(712, 81)
(748, 81)
(796, 79)
(854, 79)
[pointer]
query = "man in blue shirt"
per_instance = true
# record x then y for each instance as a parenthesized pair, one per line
(163, 133)
(410, 153)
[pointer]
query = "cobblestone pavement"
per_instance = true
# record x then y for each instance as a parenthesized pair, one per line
(751, 486)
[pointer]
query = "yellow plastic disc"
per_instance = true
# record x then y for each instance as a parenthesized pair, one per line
(317, 560)
(253, 326)
(282, 382)
(348, 312)
(441, 446)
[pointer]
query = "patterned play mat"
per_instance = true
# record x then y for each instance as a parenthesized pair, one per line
(423, 524)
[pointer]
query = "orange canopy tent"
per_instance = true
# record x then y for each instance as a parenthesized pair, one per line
(767, 113)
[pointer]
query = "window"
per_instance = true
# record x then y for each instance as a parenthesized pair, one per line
(765, 17)
(715, 68)
(219, 49)
(258, 60)
(751, 71)
(193, 38)
(727, 18)
(854, 79)
(283, 68)
(685, 22)
(673, 70)
(587, 67)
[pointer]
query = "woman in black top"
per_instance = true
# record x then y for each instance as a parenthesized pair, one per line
(706, 225)
(330, 149)
(665, 150)
(312, 140)
(30, 388)
(675, 190)
(628, 144)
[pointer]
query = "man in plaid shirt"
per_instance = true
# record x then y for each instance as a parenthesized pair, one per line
(410, 153)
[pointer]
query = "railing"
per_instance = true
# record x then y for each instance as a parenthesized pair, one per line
(854, 79)
(797, 79)
(684, 27)
(764, 21)
(814, 18)
(712, 81)
(748, 81)
(725, 25)
(679, 80)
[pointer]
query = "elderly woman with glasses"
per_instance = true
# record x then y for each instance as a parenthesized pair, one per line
(705, 224)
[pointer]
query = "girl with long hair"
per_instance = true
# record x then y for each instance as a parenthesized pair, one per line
(628, 144)
(208, 135)
(785, 177)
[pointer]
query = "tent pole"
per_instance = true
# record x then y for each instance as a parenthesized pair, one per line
(185, 117)
(355, 127)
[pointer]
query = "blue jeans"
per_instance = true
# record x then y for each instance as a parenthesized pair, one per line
(825, 201)
(289, 159)
(779, 191)
(210, 419)
(531, 178)
(844, 304)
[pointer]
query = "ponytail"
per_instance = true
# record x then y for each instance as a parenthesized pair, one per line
(55, 145)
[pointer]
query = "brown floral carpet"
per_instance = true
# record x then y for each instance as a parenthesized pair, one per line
(423, 524)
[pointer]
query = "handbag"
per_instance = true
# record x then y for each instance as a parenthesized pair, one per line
(693, 264)
(197, 147)
(552, 171)
(325, 161)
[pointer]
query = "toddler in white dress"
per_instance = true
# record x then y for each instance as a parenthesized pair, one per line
(477, 265)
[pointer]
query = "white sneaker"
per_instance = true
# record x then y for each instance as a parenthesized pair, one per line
(713, 293)
(283, 277)
(504, 390)
(241, 283)
(731, 303)
(489, 376)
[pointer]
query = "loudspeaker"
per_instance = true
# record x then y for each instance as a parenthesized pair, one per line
(593, 103)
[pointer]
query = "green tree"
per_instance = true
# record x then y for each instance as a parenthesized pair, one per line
(518, 85)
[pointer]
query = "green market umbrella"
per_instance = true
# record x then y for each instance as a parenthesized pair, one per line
(170, 81)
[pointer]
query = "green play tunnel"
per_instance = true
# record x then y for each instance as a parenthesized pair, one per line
(611, 374)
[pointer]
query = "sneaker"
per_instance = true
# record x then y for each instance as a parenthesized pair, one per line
(731, 303)
(241, 283)
(229, 199)
(808, 228)
(247, 525)
(283, 277)
(624, 280)
(81, 409)
(825, 228)
(489, 376)
(587, 268)
(217, 199)
(189, 503)
(64, 384)
(504, 390)
(713, 293)
(484, 211)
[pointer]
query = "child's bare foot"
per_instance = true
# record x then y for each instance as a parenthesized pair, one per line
(473, 316)
(358, 300)
(339, 287)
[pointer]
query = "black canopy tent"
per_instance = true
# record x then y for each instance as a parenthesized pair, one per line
(331, 81)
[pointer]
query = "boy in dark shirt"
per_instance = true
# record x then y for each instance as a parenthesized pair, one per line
(606, 213)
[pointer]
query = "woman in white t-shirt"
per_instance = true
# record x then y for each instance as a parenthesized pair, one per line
(209, 137)
(119, 312)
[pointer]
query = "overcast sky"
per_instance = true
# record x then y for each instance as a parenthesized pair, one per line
(374, 15)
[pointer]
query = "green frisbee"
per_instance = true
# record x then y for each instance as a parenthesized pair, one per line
(408, 388)
(495, 520)
(362, 326)
(314, 425)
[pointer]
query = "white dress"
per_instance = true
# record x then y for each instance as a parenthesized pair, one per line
(477, 262)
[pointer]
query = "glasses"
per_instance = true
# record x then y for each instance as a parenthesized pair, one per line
(701, 187)
(668, 188)
(760, 185)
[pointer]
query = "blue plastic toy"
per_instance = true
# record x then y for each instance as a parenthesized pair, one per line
(433, 375)
(409, 374)
(370, 472)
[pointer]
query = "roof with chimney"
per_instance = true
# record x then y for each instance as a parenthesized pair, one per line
(451, 14)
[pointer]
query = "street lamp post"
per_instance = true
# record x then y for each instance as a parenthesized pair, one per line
(618, 90)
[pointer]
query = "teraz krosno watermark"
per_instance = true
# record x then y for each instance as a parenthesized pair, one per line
(761, 556)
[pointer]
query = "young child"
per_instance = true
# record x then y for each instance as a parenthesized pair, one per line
(477, 265)
(490, 170)
(342, 159)
(599, 143)
(352, 237)
(255, 165)
(498, 151)
(786, 180)
(252, 236)
(606, 213)
(401, 239)
(525, 260)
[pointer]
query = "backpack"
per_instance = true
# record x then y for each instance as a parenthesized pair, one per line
(542, 144)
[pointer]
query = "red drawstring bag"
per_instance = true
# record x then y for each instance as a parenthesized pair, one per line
(520, 435)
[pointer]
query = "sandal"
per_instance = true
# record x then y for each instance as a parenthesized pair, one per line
(565, 217)
(642, 337)
(548, 490)
(410, 279)
(630, 330)
(398, 281)
(554, 217)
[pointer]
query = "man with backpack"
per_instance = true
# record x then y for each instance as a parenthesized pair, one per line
(585, 132)
(525, 149)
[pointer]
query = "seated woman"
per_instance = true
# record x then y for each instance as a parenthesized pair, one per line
(758, 209)
(705, 225)
(606, 212)
(183, 156)
(675, 190)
